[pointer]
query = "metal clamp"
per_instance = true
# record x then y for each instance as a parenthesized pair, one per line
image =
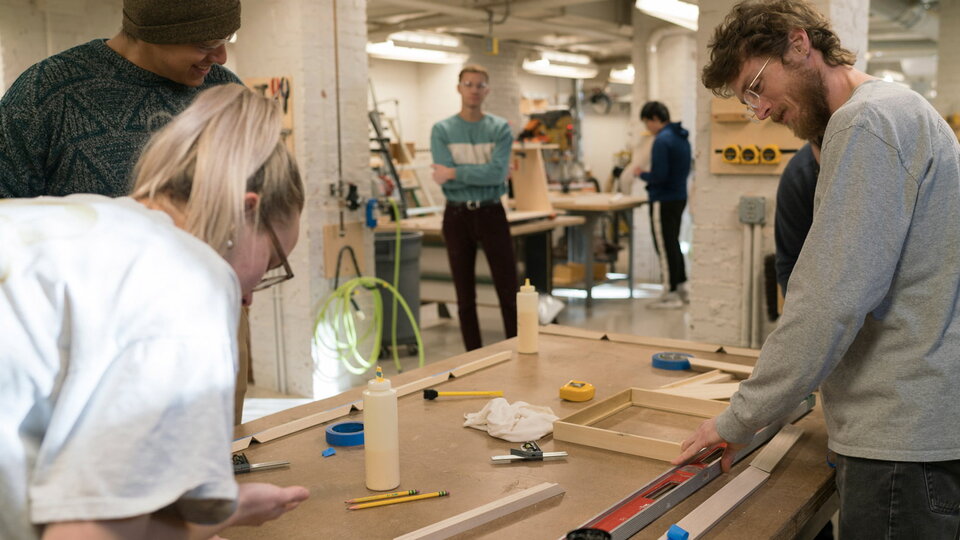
(529, 451)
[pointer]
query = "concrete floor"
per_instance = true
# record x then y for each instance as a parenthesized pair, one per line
(611, 311)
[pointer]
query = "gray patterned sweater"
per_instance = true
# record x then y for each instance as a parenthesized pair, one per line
(76, 122)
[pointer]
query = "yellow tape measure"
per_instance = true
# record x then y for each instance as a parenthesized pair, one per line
(577, 391)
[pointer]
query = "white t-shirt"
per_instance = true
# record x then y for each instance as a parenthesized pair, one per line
(117, 365)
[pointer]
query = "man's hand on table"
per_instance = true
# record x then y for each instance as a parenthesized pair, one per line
(258, 503)
(705, 437)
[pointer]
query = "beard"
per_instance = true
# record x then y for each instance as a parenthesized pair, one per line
(810, 94)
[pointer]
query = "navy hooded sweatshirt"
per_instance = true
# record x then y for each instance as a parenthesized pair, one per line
(670, 165)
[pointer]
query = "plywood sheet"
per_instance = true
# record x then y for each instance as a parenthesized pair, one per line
(529, 179)
(334, 241)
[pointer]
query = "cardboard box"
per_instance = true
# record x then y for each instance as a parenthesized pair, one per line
(570, 273)
(398, 156)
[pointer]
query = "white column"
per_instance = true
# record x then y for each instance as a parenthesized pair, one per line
(948, 68)
(320, 44)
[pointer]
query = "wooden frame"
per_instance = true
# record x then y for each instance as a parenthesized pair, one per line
(577, 428)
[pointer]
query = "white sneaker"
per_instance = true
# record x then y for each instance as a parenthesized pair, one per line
(683, 292)
(670, 300)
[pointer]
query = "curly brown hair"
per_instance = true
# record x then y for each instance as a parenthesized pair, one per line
(761, 28)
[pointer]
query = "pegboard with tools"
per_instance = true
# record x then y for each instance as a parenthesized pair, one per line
(280, 89)
(741, 145)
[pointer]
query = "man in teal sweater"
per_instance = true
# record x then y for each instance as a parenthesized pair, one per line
(471, 157)
(75, 122)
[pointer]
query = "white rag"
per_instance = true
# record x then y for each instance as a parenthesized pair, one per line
(517, 422)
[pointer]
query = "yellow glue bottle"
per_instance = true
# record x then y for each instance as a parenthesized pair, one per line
(527, 319)
(381, 436)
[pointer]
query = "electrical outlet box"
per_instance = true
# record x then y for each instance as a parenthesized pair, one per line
(753, 210)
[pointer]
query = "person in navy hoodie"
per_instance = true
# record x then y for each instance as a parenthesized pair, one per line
(667, 188)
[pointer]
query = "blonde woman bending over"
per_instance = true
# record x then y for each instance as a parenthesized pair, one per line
(118, 320)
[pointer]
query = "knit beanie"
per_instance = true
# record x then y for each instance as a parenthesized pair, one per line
(180, 21)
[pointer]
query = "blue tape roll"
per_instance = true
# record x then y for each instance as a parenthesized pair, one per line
(672, 360)
(345, 434)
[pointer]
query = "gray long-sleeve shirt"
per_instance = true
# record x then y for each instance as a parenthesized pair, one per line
(873, 315)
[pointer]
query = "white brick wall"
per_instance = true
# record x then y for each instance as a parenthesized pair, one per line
(33, 30)
(311, 41)
(504, 69)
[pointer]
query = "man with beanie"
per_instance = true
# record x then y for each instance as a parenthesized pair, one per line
(667, 187)
(75, 122)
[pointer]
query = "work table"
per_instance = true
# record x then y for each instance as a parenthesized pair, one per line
(437, 453)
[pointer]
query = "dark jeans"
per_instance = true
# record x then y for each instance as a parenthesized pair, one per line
(665, 225)
(898, 500)
(463, 230)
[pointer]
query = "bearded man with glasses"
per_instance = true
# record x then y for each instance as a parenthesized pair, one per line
(872, 317)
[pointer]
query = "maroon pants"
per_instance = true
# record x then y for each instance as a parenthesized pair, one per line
(463, 230)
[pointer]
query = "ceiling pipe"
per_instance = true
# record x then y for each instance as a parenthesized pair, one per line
(484, 15)
(914, 18)
(653, 45)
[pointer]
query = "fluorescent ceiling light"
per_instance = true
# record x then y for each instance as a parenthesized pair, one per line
(390, 51)
(424, 47)
(427, 40)
(679, 13)
(623, 75)
(558, 64)
(566, 58)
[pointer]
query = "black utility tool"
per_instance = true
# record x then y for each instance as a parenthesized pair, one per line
(242, 465)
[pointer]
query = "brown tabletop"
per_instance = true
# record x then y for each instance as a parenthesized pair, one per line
(437, 453)
(521, 223)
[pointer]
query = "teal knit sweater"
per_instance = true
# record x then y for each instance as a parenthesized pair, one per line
(479, 151)
(76, 122)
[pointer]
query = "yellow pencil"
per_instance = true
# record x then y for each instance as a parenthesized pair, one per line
(384, 496)
(398, 500)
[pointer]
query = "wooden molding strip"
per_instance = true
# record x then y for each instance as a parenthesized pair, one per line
(477, 365)
(665, 343)
(569, 331)
(485, 514)
(702, 364)
(709, 377)
(302, 423)
(740, 351)
(241, 444)
(425, 382)
(778, 447)
(704, 391)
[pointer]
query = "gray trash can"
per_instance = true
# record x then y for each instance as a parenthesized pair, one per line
(385, 244)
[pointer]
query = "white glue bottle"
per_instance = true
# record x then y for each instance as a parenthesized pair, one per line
(527, 319)
(381, 436)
